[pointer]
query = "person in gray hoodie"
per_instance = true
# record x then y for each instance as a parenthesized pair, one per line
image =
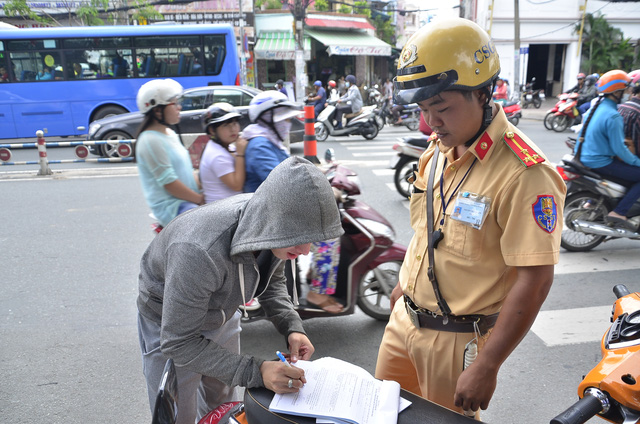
(207, 262)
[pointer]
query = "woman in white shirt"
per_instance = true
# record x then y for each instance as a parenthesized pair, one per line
(222, 170)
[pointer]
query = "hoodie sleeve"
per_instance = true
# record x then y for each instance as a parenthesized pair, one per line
(277, 304)
(186, 302)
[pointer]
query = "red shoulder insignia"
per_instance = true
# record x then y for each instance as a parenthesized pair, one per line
(522, 150)
(483, 146)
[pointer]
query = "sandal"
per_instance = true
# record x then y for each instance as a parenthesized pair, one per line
(327, 305)
(619, 223)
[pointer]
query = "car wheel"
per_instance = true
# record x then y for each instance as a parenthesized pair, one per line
(110, 150)
(107, 111)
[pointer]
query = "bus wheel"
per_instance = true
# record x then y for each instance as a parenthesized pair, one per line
(110, 150)
(106, 111)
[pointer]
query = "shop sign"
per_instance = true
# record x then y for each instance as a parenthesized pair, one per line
(279, 54)
(359, 50)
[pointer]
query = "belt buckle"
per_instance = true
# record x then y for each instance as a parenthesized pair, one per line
(413, 315)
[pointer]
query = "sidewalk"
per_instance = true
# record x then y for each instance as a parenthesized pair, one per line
(538, 114)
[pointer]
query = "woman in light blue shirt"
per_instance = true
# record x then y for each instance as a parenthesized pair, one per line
(166, 173)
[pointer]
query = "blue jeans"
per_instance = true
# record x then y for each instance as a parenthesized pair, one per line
(623, 172)
(584, 107)
(185, 206)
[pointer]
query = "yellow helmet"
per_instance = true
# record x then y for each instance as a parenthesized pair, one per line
(449, 54)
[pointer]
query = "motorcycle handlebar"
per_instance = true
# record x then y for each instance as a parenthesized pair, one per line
(580, 412)
(620, 290)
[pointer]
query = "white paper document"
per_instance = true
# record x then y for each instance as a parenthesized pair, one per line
(341, 392)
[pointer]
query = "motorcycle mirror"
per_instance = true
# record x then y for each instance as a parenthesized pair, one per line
(329, 155)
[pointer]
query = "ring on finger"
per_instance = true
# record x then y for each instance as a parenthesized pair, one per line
(290, 383)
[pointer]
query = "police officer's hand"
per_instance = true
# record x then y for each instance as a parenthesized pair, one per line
(280, 378)
(475, 387)
(300, 347)
(395, 295)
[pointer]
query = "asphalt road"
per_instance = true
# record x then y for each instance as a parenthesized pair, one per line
(71, 245)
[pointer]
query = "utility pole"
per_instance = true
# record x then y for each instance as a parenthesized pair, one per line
(298, 11)
(243, 57)
(516, 48)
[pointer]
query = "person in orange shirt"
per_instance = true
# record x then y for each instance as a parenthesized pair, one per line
(500, 94)
(487, 215)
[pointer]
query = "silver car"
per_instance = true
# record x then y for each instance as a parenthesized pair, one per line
(195, 102)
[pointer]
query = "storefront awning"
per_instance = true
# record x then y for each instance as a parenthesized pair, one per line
(337, 23)
(349, 43)
(279, 45)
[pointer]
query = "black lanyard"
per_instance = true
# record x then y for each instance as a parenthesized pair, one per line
(445, 205)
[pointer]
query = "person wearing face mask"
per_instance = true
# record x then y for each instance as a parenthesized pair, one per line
(630, 112)
(351, 102)
(271, 113)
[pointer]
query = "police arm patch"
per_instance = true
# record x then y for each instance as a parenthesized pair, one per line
(545, 212)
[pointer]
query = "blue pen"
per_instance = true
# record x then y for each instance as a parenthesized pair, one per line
(282, 358)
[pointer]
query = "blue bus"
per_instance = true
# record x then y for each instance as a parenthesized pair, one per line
(60, 79)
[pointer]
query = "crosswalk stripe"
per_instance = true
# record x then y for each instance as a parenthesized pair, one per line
(384, 173)
(598, 261)
(358, 155)
(572, 326)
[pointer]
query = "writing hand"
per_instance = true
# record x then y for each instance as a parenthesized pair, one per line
(276, 377)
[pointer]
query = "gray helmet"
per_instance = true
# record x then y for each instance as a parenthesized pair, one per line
(219, 113)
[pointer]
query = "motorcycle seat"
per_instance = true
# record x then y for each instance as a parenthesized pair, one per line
(582, 169)
(418, 141)
(353, 114)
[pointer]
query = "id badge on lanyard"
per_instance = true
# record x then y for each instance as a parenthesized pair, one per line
(471, 209)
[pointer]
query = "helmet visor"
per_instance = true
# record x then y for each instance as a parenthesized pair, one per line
(284, 113)
(414, 91)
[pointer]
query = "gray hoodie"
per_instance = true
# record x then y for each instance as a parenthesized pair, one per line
(210, 260)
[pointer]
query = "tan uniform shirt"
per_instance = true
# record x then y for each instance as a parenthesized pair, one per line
(475, 268)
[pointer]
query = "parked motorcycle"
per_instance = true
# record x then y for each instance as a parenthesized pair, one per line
(513, 112)
(410, 115)
(531, 96)
(362, 123)
(409, 151)
(590, 197)
(370, 260)
(566, 115)
(610, 390)
(372, 95)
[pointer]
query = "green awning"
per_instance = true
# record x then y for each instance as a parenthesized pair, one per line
(279, 45)
(350, 43)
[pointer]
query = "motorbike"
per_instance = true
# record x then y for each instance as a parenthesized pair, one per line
(410, 115)
(409, 151)
(369, 262)
(590, 197)
(610, 390)
(372, 95)
(513, 112)
(566, 115)
(531, 96)
(361, 123)
(562, 99)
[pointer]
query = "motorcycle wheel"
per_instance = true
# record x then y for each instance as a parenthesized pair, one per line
(576, 241)
(373, 288)
(537, 103)
(404, 168)
(547, 120)
(412, 123)
(370, 131)
(514, 121)
(560, 123)
(525, 105)
(379, 122)
(322, 133)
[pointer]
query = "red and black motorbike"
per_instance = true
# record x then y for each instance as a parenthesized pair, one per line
(566, 114)
(513, 112)
(370, 259)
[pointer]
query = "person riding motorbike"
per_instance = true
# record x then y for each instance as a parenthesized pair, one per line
(603, 148)
(333, 91)
(587, 93)
(320, 99)
(630, 112)
(351, 102)
(576, 88)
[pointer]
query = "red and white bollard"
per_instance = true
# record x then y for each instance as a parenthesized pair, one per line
(42, 152)
(310, 143)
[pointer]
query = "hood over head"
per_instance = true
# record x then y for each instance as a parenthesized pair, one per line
(294, 205)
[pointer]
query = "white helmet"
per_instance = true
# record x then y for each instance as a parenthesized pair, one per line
(267, 100)
(157, 92)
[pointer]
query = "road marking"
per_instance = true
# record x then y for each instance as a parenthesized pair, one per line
(384, 173)
(597, 261)
(378, 146)
(572, 326)
(359, 155)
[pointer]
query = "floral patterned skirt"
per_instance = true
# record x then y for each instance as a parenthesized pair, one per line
(324, 266)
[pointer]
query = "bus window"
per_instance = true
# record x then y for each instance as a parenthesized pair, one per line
(163, 56)
(214, 51)
(101, 63)
(36, 66)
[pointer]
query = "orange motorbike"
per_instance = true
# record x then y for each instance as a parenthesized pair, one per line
(612, 388)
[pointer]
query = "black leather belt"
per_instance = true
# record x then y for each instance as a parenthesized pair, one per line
(423, 318)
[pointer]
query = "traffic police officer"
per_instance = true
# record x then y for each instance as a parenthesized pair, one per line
(493, 218)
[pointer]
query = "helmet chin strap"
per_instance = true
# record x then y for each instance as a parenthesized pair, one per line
(487, 114)
(163, 122)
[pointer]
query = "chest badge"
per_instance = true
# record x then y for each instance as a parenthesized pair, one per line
(545, 213)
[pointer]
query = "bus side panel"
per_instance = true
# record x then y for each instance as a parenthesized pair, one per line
(52, 118)
(7, 128)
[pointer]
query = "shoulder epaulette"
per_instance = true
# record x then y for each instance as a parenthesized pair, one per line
(527, 156)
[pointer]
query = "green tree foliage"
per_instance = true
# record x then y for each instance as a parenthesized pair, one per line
(345, 9)
(362, 8)
(322, 5)
(385, 30)
(604, 47)
(144, 11)
(15, 8)
(88, 13)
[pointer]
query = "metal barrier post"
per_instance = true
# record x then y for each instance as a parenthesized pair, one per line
(310, 144)
(42, 152)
